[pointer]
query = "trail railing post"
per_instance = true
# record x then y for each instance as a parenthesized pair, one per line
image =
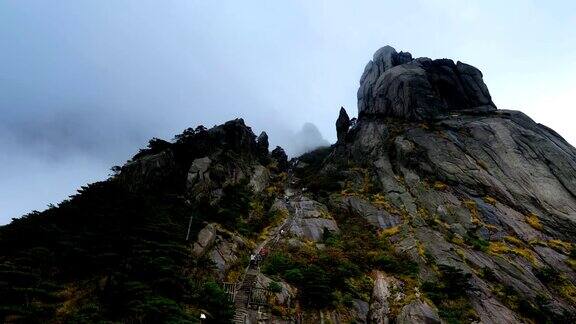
(189, 227)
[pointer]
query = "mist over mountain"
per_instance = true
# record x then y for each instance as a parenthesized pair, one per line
(433, 206)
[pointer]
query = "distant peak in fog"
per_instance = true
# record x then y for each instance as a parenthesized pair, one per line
(305, 140)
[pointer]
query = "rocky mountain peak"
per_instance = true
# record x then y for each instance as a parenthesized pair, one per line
(396, 85)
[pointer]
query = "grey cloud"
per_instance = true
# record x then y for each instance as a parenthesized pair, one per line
(56, 136)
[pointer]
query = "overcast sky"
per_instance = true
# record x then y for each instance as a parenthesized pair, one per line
(84, 84)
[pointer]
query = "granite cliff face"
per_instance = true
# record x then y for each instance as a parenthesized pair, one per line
(433, 206)
(477, 188)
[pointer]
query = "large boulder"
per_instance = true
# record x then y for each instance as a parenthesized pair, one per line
(286, 294)
(226, 250)
(360, 309)
(206, 238)
(395, 85)
(368, 138)
(199, 171)
(149, 172)
(418, 312)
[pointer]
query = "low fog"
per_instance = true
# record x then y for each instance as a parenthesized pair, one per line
(84, 85)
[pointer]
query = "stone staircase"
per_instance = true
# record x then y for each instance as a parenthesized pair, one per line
(243, 297)
(241, 305)
(248, 282)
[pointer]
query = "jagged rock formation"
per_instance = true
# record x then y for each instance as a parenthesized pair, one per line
(280, 156)
(262, 144)
(433, 207)
(394, 84)
(342, 124)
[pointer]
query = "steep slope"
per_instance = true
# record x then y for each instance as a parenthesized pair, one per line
(433, 206)
(484, 191)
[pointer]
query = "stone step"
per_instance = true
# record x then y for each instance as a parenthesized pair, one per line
(240, 316)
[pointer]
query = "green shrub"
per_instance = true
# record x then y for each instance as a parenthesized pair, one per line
(450, 295)
(393, 264)
(547, 275)
(476, 242)
(456, 282)
(316, 289)
(488, 274)
(294, 276)
(342, 299)
(275, 287)
(276, 263)
(331, 239)
(573, 252)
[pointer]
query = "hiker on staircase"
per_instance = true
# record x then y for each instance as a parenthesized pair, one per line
(263, 253)
(253, 261)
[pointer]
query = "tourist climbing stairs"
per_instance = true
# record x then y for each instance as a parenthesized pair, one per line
(245, 294)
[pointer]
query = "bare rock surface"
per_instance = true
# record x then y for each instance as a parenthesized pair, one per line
(418, 312)
(206, 238)
(361, 309)
(378, 217)
(285, 296)
(259, 178)
(198, 171)
(311, 219)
